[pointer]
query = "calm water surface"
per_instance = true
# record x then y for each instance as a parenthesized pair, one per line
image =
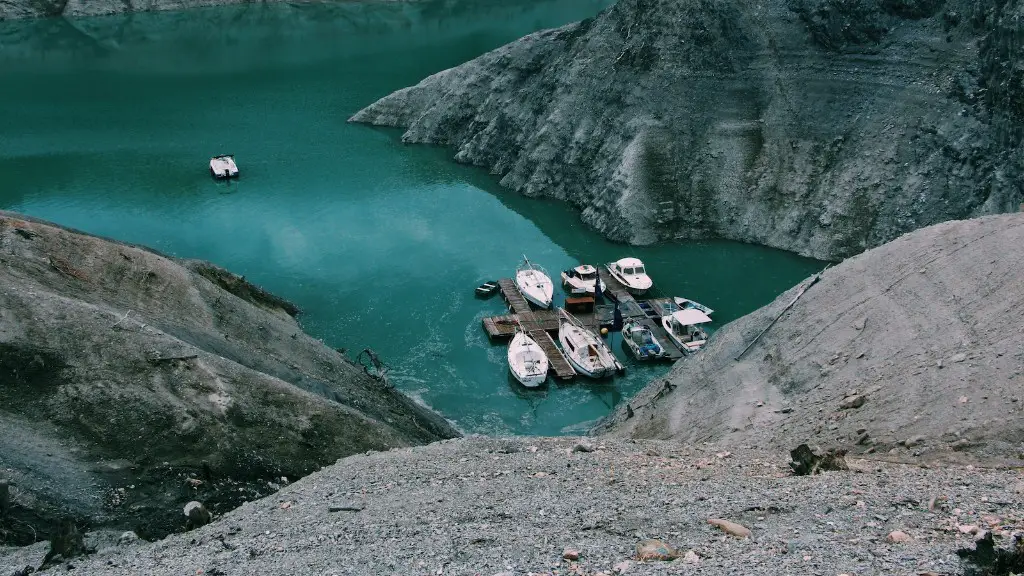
(107, 125)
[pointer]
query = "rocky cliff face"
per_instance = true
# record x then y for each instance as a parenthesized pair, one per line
(823, 127)
(915, 348)
(133, 383)
(11, 9)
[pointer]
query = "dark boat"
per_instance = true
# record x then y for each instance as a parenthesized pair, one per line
(489, 288)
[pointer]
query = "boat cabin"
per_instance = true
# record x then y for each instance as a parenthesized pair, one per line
(684, 327)
(629, 267)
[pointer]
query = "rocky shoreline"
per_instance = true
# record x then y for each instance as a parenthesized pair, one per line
(815, 126)
(134, 383)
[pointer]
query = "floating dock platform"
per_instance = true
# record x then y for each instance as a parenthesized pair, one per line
(537, 322)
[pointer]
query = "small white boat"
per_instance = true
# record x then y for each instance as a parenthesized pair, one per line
(527, 360)
(641, 342)
(581, 280)
(630, 273)
(684, 329)
(534, 283)
(223, 166)
(587, 353)
(686, 304)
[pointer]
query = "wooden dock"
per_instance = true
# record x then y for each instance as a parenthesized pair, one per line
(557, 362)
(541, 324)
(504, 327)
(516, 302)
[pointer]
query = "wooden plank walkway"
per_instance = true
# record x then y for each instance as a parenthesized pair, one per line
(557, 361)
(516, 302)
(502, 327)
(674, 353)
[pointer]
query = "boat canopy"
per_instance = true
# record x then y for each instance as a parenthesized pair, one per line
(690, 317)
(629, 263)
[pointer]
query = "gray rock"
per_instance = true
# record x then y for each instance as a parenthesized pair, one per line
(197, 514)
(914, 441)
(583, 446)
(613, 115)
(851, 402)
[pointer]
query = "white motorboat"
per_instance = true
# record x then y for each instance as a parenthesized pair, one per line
(641, 342)
(534, 283)
(527, 360)
(687, 304)
(223, 166)
(684, 329)
(587, 353)
(630, 273)
(581, 280)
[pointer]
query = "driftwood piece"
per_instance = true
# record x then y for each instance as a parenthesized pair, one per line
(807, 463)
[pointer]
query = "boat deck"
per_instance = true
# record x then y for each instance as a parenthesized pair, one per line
(673, 353)
(557, 362)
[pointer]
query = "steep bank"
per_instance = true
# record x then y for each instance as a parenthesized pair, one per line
(13, 9)
(483, 506)
(133, 383)
(928, 330)
(816, 126)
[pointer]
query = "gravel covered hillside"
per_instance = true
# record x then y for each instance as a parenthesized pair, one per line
(515, 507)
(915, 348)
(823, 127)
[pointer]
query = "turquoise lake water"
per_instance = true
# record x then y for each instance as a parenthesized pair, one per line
(108, 124)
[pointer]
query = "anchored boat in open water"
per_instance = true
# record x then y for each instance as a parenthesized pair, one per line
(223, 166)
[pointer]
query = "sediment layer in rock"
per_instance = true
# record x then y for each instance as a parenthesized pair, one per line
(816, 126)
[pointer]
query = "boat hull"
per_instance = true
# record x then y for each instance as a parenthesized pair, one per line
(577, 341)
(530, 374)
(536, 287)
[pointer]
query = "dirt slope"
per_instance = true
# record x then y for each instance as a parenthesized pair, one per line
(123, 373)
(824, 127)
(929, 329)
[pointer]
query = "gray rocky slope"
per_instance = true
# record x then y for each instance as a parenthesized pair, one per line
(928, 330)
(824, 127)
(132, 383)
(480, 506)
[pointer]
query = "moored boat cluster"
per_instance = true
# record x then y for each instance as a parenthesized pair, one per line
(655, 329)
